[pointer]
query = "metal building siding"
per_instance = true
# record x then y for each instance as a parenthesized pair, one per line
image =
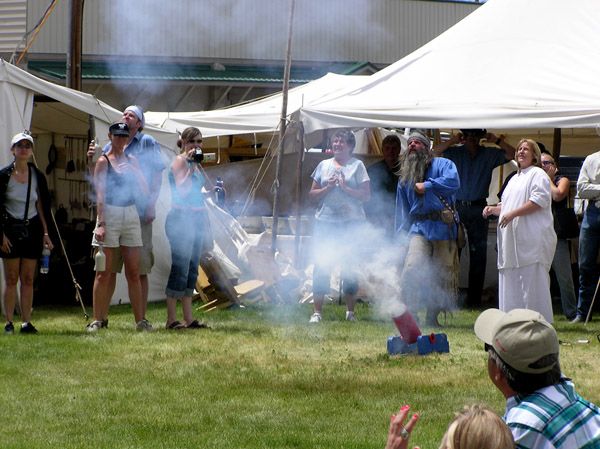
(379, 31)
(13, 21)
(52, 37)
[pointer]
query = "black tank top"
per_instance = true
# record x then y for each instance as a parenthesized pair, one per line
(120, 190)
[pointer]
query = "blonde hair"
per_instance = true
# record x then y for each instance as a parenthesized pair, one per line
(477, 427)
(533, 146)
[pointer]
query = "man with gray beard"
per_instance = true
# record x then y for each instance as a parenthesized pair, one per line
(426, 186)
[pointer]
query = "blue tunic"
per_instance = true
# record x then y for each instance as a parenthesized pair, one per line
(441, 178)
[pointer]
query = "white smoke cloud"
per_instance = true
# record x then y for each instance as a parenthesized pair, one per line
(238, 29)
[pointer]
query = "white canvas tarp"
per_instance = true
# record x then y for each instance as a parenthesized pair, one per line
(509, 64)
(258, 116)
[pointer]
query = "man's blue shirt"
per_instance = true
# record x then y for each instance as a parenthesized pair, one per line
(475, 173)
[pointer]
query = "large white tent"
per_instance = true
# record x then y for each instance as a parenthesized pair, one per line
(257, 116)
(509, 64)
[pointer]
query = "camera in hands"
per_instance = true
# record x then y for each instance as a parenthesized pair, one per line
(197, 156)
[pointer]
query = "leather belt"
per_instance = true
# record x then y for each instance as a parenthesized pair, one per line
(479, 202)
(433, 216)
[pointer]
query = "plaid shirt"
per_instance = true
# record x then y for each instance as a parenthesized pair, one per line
(553, 417)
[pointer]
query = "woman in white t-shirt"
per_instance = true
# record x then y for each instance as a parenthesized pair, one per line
(340, 187)
(24, 217)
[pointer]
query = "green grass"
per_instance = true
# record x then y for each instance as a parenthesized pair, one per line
(262, 377)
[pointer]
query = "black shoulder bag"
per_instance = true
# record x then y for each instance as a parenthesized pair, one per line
(15, 229)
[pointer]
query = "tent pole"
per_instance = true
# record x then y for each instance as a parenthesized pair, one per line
(282, 129)
(75, 45)
(299, 189)
(556, 144)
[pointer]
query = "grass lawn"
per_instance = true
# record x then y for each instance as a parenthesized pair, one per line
(262, 377)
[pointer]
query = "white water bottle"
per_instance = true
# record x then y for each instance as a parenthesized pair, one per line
(100, 260)
(45, 262)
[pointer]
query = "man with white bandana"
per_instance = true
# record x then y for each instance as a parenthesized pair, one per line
(147, 151)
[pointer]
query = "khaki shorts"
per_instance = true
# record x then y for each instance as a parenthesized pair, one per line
(122, 227)
(146, 255)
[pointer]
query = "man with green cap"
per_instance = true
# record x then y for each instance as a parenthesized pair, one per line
(543, 410)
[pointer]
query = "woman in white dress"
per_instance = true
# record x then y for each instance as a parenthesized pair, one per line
(526, 237)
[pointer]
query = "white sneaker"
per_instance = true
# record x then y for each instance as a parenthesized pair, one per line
(144, 325)
(315, 318)
(350, 316)
(94, 326)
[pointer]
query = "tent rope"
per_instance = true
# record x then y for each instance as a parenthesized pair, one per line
(35, 30)
(64, 251)
(260, 174)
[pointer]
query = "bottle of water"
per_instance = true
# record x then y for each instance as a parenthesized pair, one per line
(100, 260)
(220, 193)
(45, 262)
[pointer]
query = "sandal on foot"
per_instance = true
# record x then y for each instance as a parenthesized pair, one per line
(175, 325)
(197, 325)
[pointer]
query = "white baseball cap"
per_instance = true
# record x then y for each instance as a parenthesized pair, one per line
(21, 136)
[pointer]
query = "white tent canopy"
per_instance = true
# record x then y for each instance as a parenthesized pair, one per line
(258, 116)
(509, 64)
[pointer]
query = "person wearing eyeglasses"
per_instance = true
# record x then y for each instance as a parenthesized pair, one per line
(561, 264)
(187, 228)
(475, 163)
(24, 218)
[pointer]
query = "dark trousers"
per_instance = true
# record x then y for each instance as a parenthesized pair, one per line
(589, 246)
(477, 231)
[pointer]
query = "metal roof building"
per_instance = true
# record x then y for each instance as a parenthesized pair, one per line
(192, 54)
